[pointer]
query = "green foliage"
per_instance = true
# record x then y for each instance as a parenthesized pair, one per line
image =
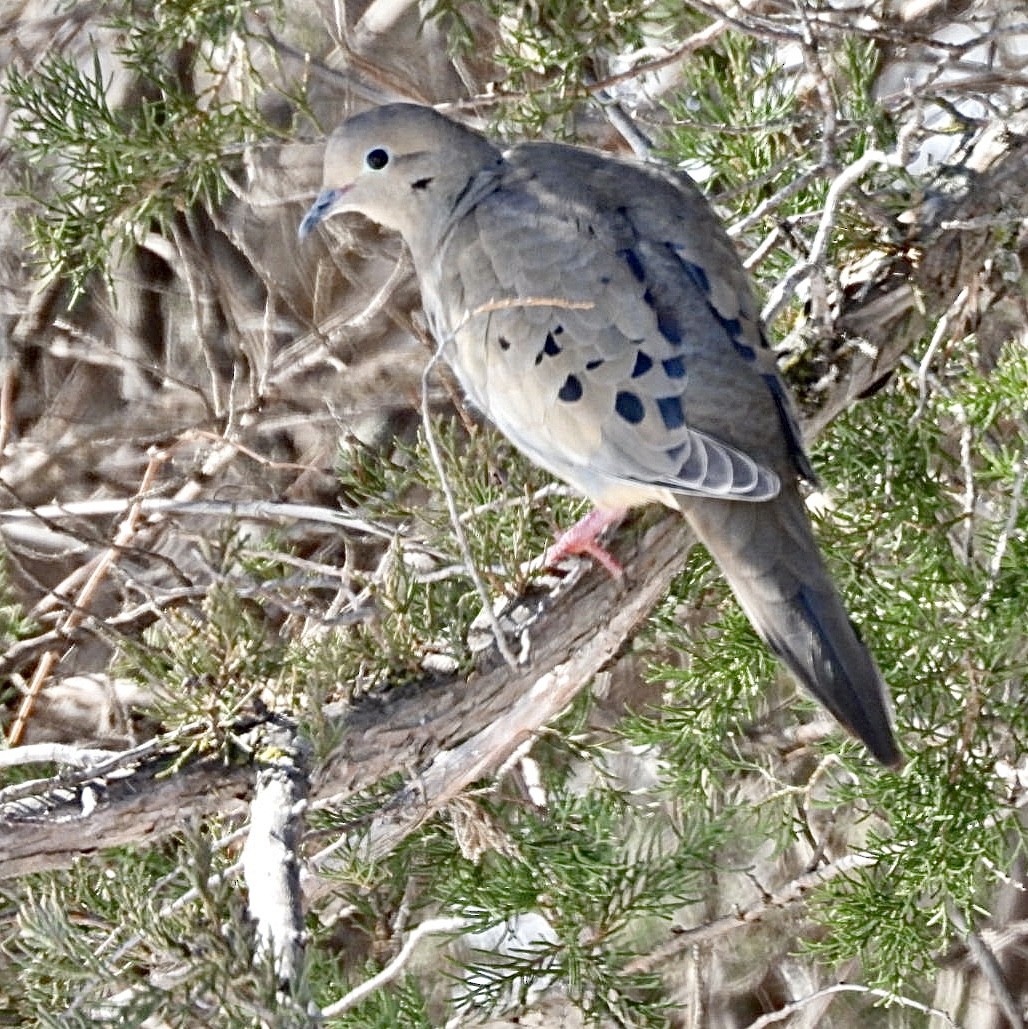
(950, 639)
(550, 51)
(492, 485)
(213, 664)
(589, 861)
(209, 666)
(948, 634)
(98, 930)
(603, 868)
(105, 175)
(15, 624)
(865, 121)
(738, 116)
(741, 120)
(711, 699)
(426, 598)
(946, 831)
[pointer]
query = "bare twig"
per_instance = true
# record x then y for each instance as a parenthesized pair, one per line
(455, 518)
(986, 961)
(50, 658)
(431, 927)
(793, 892)
(891, 999)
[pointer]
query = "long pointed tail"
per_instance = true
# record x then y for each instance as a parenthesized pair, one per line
(769, 556)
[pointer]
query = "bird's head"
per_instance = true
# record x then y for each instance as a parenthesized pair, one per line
(397, 165)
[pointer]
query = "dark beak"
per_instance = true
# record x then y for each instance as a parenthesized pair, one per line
(320, 210)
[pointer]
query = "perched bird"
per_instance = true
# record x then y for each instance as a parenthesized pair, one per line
(596, 311)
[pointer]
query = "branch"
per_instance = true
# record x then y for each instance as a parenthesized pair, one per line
(791, 893)
(270, 860)
(901, 306)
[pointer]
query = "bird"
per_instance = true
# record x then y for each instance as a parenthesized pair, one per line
(593, 307)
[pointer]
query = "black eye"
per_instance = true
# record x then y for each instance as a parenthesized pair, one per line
(376, 159)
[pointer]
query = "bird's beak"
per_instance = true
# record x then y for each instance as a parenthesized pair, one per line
(326, 203)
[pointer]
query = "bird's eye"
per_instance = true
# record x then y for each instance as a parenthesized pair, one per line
(376, 159)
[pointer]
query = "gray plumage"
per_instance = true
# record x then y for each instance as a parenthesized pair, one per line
(596, 311)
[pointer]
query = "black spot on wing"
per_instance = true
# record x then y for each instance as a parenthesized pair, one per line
(571, 390)
(695, 272)
(674, 367)
(421, 183)
(667, 318)
(671, 412)
(629, 407)
(643, 363)
(551, 348)
(733, 329)
(697, 275)
(504, 342)
(591, 366)
(634, 263)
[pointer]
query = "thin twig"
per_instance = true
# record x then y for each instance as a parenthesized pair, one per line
(433, 449)
(773, 1017)
(987, 964)
(938, 336)
(432, 927)
(49, 660)
(257, 510)
(454, 514)
(1003, 540)
(791, 893)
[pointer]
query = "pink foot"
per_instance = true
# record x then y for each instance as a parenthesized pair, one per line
(581, 539)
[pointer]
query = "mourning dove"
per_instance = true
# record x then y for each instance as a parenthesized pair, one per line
(596, 311)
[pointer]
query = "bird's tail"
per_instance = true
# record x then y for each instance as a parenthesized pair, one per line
(768, 554)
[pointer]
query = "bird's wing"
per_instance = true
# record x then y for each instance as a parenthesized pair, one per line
(600, 316)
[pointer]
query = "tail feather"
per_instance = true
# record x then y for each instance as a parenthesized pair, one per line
(770, 558)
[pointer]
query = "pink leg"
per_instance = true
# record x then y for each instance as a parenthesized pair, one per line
(581, 539)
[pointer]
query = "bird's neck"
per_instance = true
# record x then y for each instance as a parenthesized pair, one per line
(444, 203)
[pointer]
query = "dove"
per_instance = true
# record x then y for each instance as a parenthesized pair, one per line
(595, 310)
